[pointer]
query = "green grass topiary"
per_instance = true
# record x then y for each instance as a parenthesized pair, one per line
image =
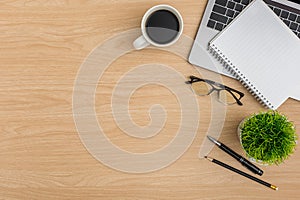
(268, 137)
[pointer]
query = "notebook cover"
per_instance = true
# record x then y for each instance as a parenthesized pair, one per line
(263, 52)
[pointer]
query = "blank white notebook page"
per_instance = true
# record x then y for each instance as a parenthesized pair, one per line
(263, 51)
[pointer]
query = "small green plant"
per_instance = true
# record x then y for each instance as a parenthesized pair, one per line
(268, 137)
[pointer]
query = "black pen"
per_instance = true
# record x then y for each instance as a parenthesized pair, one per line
(242, 173)
(238, 157)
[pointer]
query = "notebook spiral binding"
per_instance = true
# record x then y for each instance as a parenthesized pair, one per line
(235, 72)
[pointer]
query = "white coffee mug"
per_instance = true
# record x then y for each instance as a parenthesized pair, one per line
(159, 36)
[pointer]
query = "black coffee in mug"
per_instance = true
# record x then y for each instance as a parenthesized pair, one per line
(162, 26)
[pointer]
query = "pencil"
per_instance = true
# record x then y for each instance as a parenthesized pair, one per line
(242, 173)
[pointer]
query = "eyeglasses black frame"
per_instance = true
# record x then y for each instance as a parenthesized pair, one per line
(221, 87)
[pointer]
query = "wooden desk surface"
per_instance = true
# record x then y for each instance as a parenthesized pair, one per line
(42, 45)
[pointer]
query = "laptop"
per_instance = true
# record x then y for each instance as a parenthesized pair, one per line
(219, 13)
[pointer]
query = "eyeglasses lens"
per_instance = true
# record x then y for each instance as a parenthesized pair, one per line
(226, 97)
(201, 88)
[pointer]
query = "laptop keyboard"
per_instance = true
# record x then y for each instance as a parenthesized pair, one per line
(224, 11)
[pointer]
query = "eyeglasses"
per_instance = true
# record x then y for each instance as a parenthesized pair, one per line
(226, 95)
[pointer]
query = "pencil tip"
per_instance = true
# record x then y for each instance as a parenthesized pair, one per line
(208, 158)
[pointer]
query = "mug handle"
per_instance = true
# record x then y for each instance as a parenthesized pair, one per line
(140, 43)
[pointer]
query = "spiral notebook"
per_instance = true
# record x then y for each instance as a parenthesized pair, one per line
(263, 53)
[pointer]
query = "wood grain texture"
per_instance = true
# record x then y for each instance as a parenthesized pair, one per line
(42, 45)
